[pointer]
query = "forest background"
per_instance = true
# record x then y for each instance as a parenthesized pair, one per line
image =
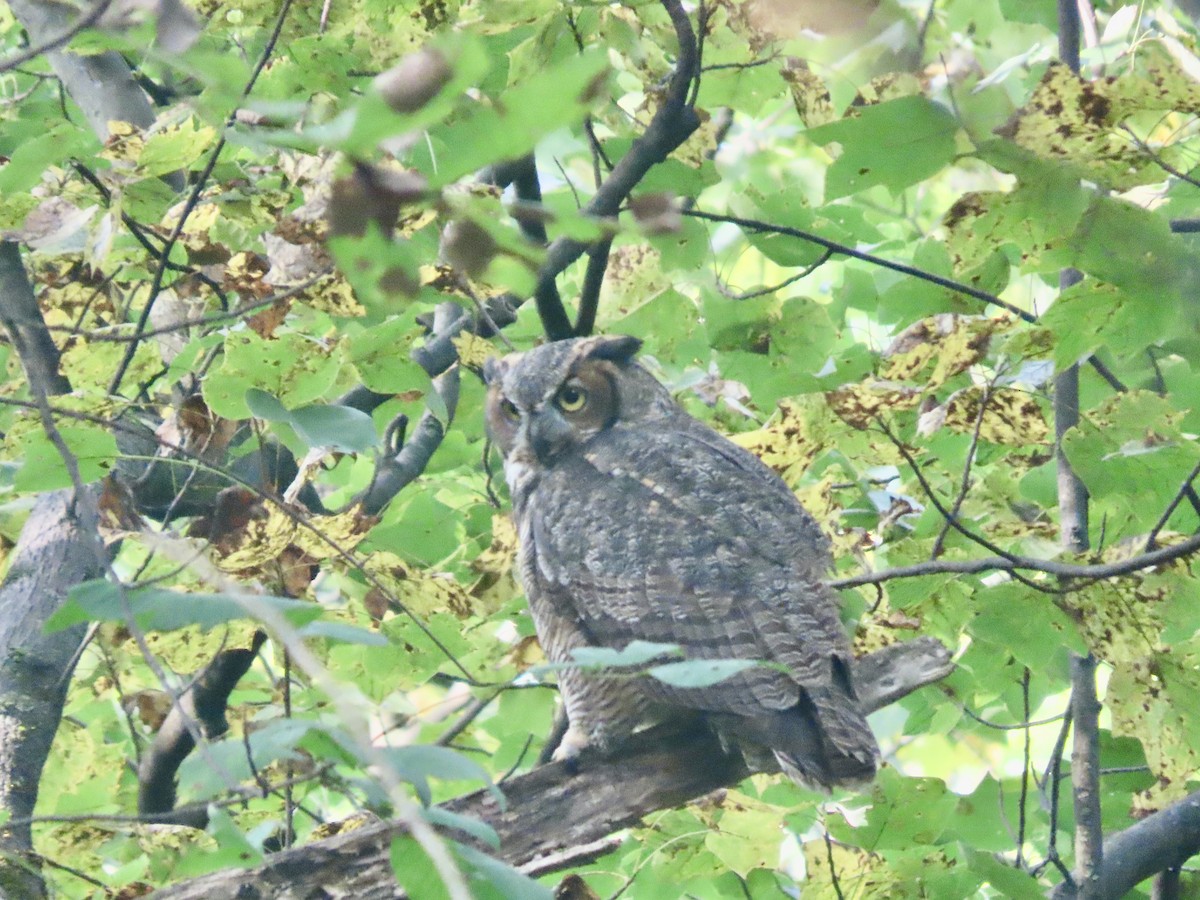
(931, 260)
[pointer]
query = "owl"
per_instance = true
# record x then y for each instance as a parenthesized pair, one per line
(638, 522)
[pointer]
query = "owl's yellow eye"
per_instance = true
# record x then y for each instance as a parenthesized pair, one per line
(572, 398)
(510, 410)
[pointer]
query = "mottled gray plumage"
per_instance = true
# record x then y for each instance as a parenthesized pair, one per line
(636, 521)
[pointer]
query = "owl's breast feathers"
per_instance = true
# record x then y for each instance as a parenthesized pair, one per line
(676, 535)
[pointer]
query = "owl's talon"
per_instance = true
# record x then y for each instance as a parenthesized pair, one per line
(569, 749)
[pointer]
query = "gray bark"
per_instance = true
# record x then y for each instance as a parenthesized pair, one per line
(57, 550)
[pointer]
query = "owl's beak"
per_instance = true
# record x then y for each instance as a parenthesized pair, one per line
(543, 435)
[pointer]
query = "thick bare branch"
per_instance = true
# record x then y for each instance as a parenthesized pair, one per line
(21, 317)
(204, 702)
(394, 472)
(549, 811)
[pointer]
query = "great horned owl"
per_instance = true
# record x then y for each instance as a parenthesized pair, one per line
(637, 521)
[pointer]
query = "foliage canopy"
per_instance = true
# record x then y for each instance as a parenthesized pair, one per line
(853, 263)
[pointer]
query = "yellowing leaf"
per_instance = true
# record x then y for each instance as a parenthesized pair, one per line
(1152, 700)
(265, 541)
(950, 342)
(786, 444)
(472, 350)
(810, 94)
(496, 583)
(746, 835)
(422, 593)
(1010, 417)
(174, 147)
(861, 873)
(860, 404)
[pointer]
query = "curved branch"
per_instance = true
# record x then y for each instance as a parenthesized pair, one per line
(394, 472)
(1162, 841)
(593, 281)
(204, 702)
(672, 124)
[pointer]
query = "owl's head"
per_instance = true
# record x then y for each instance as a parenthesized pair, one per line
(558, 396)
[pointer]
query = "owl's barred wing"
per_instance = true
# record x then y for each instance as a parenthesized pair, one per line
(680, 537)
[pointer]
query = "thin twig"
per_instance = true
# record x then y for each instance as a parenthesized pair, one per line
(965, 483)
(1053, 771)
(1152, 538)
(845, 250)
(1014, 564)
(1024, 801)
(193, 200)
(727, 292)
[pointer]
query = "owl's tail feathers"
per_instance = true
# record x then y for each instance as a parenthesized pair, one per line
(823, 742)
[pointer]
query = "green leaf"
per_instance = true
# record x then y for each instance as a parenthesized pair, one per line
(293, 367)
(417, 764)
(481, 831)
(158, 609)
(415, 871)
(895, 144)
(266, 406)
(560, 95)
(1089, 316)
(1010, 881)
(208, 774)
(343, 633)
(905, 813)
(93, 448)
(699, 673)
(493, 880)
(338, 427)
(1132, 248)
(636, 653)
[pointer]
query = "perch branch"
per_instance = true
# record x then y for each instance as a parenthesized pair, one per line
(551, 815)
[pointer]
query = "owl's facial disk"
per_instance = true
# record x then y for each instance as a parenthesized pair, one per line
(541, 424)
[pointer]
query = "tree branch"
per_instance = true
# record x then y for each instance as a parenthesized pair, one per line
(672, 124)
(1026, 563)
(21, 317)
(404, 467)
(1164, 840)
(50, 44)
(845, 250)
(593, 281)
(204, 702)
(550, 814)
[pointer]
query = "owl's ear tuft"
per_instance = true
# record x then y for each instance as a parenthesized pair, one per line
(618, 348)
(493, 369)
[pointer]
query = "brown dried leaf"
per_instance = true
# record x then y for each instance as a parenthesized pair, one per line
(415, 80)
(656, 213)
